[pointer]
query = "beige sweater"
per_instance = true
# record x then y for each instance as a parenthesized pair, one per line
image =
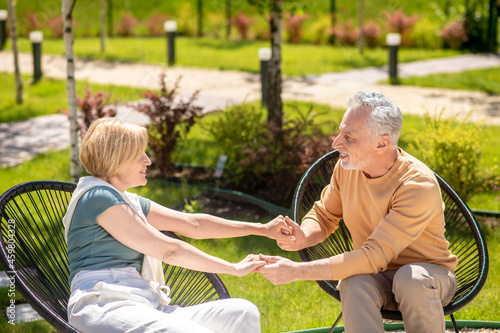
(394, 220)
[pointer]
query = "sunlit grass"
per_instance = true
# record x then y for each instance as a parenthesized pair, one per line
(298, 305)
(484, 80)
(49, 95)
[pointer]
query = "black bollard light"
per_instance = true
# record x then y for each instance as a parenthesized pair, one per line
(393, 40)
(265, 54)
(3, 28)
(170, 28)
(36, 38)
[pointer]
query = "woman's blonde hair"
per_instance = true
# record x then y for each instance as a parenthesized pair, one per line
(110, 144)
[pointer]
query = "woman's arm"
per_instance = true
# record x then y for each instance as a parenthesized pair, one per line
(129, 229)
(203, 226)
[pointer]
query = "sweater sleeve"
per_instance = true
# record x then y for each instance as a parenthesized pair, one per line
(415, 204)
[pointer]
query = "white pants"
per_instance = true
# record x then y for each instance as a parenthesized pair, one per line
(418, 290)
(119, 300)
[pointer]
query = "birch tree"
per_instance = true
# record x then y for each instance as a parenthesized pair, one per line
(13, 37)
(67, 9)
(361, 17)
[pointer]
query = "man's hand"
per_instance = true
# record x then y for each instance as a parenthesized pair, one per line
(279, 230)
(297, 241)
(278, 270)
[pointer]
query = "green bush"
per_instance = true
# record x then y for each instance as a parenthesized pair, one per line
(451, 148)
(317, 30)
(425, 34)
(265, 161)
(237, 126)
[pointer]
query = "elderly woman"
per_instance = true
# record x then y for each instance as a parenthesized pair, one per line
(115, 247)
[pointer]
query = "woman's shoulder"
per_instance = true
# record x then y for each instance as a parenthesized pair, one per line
(102, 195)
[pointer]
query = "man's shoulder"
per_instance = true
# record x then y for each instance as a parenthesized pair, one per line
(414, 167)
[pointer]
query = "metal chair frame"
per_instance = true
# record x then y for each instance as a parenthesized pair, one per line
(462, 231)
(33, 252)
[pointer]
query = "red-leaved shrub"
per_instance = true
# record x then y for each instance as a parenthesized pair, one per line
(242, 24)
(454, 34)
(169, 119)
(154, 24)
(345, 34)
(293, 25)
(127, 25)
(92, 107)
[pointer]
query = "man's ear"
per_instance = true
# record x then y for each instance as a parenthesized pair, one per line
(383, 143)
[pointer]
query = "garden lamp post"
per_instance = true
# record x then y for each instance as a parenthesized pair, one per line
(3, 28)
(36, 38)
(265, 54)
(170, 28)
(393, 40)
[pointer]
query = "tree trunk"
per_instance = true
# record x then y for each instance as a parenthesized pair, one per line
(109, 3)
(200, 18)
(228, 18)
(361, 15)
(333, 18)
(446, 9)
(102, 24)
(13, 37)
(75, 169)
(274, 105)
(493, 26)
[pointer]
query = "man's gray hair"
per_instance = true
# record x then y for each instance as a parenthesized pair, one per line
(385, 116)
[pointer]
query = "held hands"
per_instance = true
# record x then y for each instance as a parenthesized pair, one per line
(278, 270)
(278, 229)
(296, 241)
(250, 264)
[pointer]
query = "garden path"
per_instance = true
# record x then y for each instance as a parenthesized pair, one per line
(219, 88)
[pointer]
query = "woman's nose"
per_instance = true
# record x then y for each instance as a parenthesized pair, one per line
(147, 161)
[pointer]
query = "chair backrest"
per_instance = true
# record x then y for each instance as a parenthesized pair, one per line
(462, 232)
(33, 251)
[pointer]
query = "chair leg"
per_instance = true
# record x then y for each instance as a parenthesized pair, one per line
(335, 323)
(454, 323)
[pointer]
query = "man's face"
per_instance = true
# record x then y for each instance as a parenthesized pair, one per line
(355, 141)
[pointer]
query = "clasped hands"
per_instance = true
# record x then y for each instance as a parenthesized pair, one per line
(289, 237)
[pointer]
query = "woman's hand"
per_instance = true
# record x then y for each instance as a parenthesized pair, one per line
(248, 265)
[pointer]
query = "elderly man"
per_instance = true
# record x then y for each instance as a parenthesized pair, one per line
(391, 204)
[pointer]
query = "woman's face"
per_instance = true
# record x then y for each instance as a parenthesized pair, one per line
(131, 174)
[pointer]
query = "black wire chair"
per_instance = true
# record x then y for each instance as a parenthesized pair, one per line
(462, 232)
(33, 252)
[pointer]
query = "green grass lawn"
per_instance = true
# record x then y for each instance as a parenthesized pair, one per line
(299, 305)
(296, 306)
(484, 80)
(49, 96)
(297, 59)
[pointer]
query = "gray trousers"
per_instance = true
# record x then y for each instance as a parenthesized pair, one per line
(418, 290)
